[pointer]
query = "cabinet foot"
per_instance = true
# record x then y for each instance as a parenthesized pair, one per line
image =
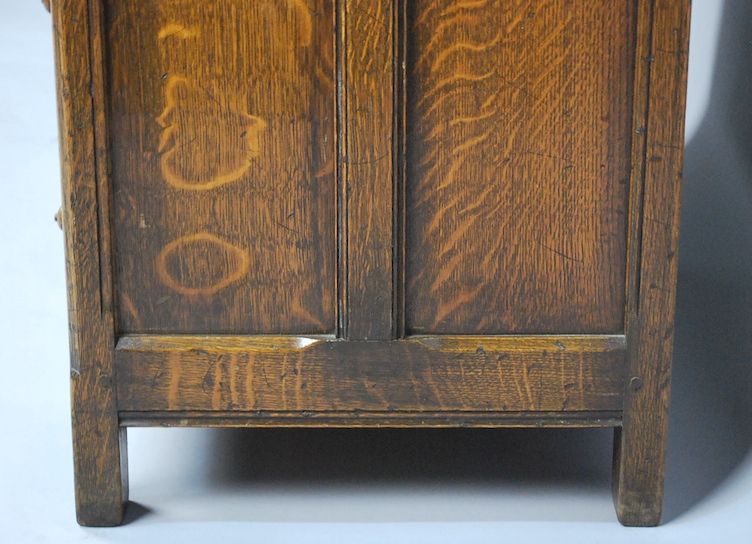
(637, 481)
(101, 474)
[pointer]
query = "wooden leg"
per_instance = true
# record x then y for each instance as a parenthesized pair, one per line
(99, 453)
(638, 477)
(641, 442)
(100, 457)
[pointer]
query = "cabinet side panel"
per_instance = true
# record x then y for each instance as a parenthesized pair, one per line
(518, 145)
(222, 136)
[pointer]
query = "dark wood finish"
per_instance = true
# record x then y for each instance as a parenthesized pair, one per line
(420, 374)
(99, 449)
(518, 165)
(640, 444)
(370, 213)
(229, 188)
(366, 166)
(373, 419)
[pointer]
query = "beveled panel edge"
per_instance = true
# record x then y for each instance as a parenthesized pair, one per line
(595, 343)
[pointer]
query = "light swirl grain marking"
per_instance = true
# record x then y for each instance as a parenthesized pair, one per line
(177, 30)
(194, 124)
(306, 20)
(242, 265)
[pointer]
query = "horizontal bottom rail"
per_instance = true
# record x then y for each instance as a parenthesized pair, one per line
(415, 375)
(372, 419)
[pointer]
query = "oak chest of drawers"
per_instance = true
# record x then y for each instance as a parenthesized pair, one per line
(381, 213)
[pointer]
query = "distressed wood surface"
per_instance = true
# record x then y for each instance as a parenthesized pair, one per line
(421, 374)
(370, 213)
(99, 447)
(640, 446)
(222, 129)
(518, 140)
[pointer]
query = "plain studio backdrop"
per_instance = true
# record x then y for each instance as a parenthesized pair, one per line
(387, 485)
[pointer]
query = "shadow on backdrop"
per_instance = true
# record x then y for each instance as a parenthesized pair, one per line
(710, 432)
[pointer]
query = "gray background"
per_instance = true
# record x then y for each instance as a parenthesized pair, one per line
(387, 486)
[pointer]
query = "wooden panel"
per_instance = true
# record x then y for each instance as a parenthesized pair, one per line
(99, 452)
(222, 128)
(367, 166)
(420, 374)
(518, 146)
(641, 444)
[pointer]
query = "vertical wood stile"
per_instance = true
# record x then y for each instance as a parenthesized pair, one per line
(367, 167)
(640, 444)
(98, 441)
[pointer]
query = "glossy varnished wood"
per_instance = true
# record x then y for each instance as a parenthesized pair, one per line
(519, 132)
(222, 118)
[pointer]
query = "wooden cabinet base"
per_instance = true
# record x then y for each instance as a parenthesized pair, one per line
(371, 213)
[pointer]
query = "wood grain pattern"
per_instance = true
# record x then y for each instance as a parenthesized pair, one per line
(420, 374)
(367, 166)
(261, 198)
(99, 445)
(222, 130)
(517, 165)
(641, 444)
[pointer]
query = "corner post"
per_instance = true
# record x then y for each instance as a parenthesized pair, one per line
(639, 449)
(99, 447)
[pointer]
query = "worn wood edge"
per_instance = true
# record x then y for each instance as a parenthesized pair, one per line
(639, 447)
(604, 419)
(455, 344)
(595, 343)
(99, 448)
(400, 166)
(640, 111)
(218, 343)
(340, 37)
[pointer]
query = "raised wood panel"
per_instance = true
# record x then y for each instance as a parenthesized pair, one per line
(518, 123)
(222, 129)
(502, 374)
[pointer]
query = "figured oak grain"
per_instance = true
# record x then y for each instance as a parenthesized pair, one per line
(222, 131)
(324, 374)
(260, 198)
(518, 139)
